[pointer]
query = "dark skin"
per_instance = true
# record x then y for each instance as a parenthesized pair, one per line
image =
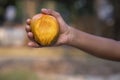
(98, 46)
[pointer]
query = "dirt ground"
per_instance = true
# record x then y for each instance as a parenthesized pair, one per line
(65, 63)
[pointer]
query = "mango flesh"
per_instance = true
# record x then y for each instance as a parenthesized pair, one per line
(45, 29)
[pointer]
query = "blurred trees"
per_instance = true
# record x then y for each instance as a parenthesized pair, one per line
(83, 7)
(73, 11)
(3, 6)
(116, 4)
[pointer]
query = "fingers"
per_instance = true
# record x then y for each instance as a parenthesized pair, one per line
(33, 44)
(28, 21)
(29, 33)
(27, 28)
(30, 36)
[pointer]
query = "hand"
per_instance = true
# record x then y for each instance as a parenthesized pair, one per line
(64, 35)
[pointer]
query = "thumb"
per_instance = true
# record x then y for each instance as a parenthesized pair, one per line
(53, 13)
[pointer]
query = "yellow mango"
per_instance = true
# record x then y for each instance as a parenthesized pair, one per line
(45, 29)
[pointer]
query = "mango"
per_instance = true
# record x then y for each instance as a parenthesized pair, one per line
(45, 29)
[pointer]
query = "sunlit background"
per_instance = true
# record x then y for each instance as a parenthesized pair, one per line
(19, 62)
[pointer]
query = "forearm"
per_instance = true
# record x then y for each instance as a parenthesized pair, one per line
(97, 46)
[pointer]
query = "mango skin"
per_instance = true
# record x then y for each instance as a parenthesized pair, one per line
(45, 29)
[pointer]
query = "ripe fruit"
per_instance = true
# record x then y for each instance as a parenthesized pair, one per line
(45, 29)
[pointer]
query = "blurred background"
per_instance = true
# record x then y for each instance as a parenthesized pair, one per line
(19, 62)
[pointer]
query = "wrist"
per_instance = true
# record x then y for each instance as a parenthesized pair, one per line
(70, 36)
(75, 37)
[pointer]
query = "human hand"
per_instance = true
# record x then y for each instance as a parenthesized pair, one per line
(64, 35)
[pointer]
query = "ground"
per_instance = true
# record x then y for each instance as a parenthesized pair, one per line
(58, 63)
